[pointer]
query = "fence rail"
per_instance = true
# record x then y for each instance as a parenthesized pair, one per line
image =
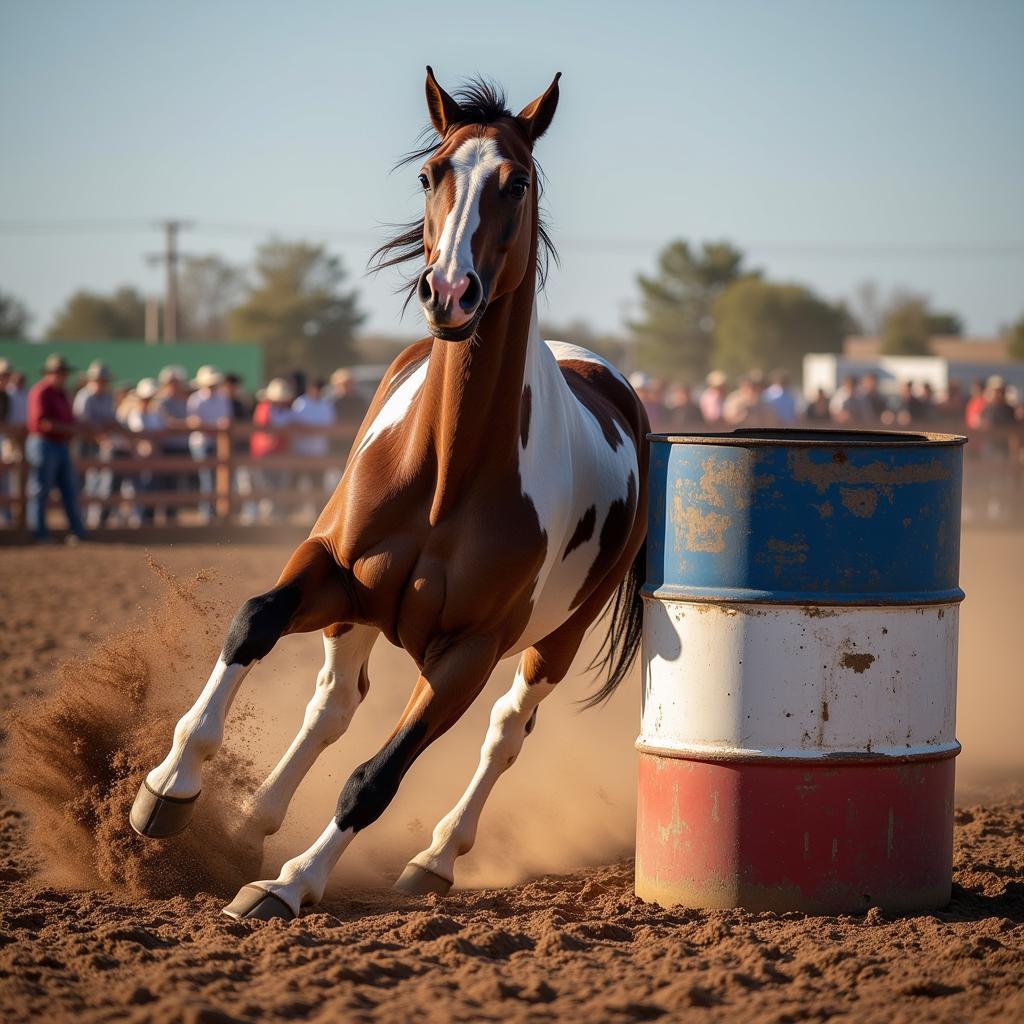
(117, 475)
(229, 484)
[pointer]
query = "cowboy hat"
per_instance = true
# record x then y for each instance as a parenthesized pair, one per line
(98, 370)
(279, 390)
(56, 363)
(146, 388)
(208, 377)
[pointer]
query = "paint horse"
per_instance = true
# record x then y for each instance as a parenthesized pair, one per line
(493, 504)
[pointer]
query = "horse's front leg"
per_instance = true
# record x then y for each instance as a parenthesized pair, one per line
(341, 685)
(309, 595)
(450, 681)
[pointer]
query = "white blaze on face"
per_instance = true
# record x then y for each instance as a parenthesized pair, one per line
(472, 164)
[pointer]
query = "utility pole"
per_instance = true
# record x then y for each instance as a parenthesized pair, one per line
(170, 257)
(152, 319)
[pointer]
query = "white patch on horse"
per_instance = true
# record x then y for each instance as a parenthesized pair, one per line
(567, 467)
(395, 407)
(564, 351)
(472, 164)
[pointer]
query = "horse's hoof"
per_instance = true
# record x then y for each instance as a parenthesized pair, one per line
(160, 817)
(417, 881)
(255, 904)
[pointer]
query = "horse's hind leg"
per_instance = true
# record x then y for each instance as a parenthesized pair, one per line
(311, 594)
(340, 688)
(512, 719)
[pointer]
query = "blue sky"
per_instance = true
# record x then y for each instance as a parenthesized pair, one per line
(834, 141)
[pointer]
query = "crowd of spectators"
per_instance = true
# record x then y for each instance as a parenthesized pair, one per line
(178, 424)
(858, 402)
(172, 421)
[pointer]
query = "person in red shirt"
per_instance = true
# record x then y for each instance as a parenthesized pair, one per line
(51, 425)
(975, 406)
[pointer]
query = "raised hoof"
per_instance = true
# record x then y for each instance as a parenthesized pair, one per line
(160, 817)
(417, 881)
(255, 904)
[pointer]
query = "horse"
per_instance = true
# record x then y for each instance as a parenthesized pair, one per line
(493, 505)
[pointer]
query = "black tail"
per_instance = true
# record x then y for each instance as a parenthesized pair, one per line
(621, 644)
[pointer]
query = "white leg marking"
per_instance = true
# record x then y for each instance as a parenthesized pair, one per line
(303, 879)
(455, 833)
(198, 734)
(328, 714)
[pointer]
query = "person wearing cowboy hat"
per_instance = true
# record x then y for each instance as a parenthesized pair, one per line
(712, 399)
(144, 418)
(51, 425)
(172, 407)
(94, 407)
(274, 413)
(208, 406)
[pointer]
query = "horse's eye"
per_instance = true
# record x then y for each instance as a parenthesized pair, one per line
(518, 188)
(424, 183)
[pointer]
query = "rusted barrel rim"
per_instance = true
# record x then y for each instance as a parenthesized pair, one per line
(810, 601)
(800, 437)
(816, 758)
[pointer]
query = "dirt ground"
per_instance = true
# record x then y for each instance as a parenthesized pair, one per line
(97, 925)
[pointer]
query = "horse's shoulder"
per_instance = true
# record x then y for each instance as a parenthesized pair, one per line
(406, 363)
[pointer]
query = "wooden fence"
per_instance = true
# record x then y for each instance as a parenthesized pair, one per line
(146, 476)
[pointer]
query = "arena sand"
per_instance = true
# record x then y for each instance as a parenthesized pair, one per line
(96, 924)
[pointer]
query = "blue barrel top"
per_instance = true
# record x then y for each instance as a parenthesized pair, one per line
(805, 516)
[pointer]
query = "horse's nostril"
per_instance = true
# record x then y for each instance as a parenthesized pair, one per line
(473, 293)
(424, 290)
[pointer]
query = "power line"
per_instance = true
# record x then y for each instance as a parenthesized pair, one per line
(362, 236)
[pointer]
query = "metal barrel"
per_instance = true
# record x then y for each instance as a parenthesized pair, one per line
(800, 651)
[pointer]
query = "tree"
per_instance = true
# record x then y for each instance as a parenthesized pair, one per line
(1015, 340)
(909, 323)
(14, 317)
(209, 288)
(760, 326)
(297, 309)
(945, 323)
(674, 334)
(90, 316)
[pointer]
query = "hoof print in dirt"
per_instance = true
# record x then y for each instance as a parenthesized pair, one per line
(417, 881)
(255, 904)
(160, 817)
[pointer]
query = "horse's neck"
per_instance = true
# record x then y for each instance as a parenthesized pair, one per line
(472, 397)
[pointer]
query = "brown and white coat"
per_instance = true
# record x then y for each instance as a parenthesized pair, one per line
(493, 503)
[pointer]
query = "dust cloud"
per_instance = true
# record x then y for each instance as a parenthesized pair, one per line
(76, 756)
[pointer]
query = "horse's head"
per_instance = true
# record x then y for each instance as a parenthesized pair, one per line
(480, 215)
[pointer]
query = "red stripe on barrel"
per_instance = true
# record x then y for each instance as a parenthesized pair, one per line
(781, 835)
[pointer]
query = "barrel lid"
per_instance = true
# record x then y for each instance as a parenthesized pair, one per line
(802, 437)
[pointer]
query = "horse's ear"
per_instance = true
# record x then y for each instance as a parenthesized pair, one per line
(535, 117)
(444, 111)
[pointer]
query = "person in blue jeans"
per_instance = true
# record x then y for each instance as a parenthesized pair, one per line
(51, 425)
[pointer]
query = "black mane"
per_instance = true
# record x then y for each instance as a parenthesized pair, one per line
(481, 102)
